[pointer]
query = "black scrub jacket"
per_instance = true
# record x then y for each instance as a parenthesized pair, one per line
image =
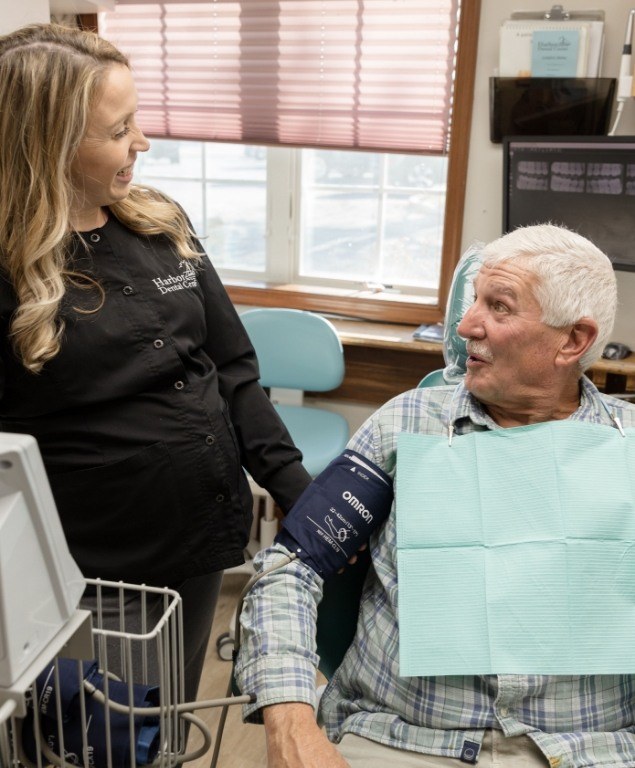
(146, 416)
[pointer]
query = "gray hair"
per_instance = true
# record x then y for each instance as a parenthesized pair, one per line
(575, 279)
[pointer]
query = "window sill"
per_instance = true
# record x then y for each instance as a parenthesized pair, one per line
(382, 360)
(380, 307)
(375, 335)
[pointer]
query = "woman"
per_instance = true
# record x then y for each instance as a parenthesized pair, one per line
(120, 350)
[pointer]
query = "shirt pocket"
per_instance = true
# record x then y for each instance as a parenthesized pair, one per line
(123, 520)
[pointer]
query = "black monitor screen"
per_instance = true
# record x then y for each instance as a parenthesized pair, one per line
(586, 184)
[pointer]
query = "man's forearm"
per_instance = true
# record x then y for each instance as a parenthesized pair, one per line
(294, 739)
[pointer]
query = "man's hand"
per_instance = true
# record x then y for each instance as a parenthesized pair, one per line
(294, 739)
(353, 560)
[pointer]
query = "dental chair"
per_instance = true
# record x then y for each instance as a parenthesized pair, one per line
(459, 300)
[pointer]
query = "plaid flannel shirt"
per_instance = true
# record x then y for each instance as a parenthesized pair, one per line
(576, 721)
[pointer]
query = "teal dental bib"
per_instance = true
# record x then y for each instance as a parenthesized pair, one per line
(516, 551)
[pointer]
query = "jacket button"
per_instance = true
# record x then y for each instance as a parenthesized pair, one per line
(210, 439)
(220, 498)
(127, 290)
(157, 343)
(95, 238)
(178, 385)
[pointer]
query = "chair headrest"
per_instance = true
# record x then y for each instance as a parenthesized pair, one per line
(460, 299)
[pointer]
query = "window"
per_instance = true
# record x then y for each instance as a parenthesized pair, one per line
(352, 220)
(356, 205)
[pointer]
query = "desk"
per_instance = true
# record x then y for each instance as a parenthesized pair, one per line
(383, 360)
(614, 375)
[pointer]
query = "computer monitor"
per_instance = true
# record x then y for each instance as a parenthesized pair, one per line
(586, 183)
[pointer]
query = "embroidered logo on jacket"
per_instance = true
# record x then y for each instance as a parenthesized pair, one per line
(187, 279)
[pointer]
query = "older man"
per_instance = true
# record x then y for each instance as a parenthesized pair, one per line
(544, 308)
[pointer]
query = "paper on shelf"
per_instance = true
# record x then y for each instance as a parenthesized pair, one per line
(516, 44)
(595, 48)
(554, 53)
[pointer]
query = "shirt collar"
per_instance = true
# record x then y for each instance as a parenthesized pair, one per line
(465, 406)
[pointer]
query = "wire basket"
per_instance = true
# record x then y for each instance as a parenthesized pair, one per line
(122, 707)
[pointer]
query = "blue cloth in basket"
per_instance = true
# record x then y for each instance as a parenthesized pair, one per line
(146, 728)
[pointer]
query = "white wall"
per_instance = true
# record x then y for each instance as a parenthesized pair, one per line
(17, 13)
(483, 209)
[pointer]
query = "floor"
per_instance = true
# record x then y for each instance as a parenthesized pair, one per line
(242, 746)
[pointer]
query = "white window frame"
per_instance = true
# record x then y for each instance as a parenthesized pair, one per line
(283, 229)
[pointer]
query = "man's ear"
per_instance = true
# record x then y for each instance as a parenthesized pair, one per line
(580, 337)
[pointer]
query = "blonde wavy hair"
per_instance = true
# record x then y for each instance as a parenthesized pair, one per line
(50, 77)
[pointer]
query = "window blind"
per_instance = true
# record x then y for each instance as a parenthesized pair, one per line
(345, 74)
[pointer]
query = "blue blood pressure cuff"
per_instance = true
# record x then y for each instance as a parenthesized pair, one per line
(107, 748)
(337, 513)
